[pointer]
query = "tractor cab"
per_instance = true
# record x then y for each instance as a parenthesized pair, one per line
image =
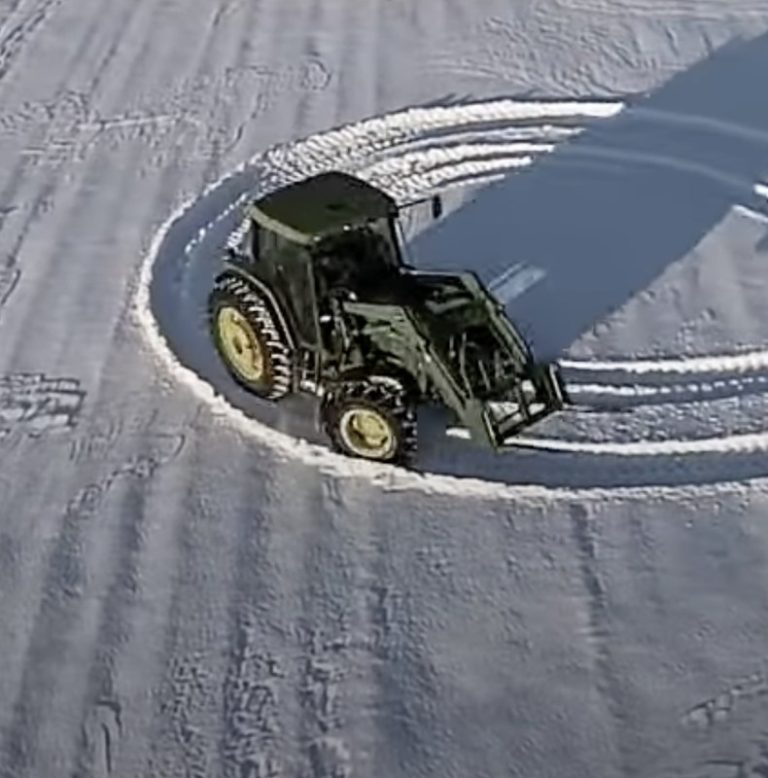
(327, 236)
(362, 260)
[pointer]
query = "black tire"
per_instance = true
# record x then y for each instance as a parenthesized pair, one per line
(232, 294)
(384, 398)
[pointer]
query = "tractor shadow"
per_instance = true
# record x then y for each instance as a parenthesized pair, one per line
(599, 239)
(607, 212)
(603, 232)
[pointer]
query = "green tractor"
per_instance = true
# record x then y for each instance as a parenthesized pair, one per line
(315, 297)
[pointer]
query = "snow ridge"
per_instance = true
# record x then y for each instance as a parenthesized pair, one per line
(748, 362)
(385, 150)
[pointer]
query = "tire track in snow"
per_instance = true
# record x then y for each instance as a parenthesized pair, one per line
(279, 685)
(707, 365)
(65, 610)
(381, 141)
(34, 403)
(15, 33)
(747, 443)
(607, 681)
(140, 572)
(101, 731)
(719, 709)
(254, 685)
(699, 10)
(630, 395)
(9, 279)
(181, 726)
(43, 191)
(328, 614)
(221, 727)
(49, 111)
(405, 618)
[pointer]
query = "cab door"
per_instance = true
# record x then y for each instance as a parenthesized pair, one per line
(294, 282)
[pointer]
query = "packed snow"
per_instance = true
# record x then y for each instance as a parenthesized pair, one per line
(193, 584)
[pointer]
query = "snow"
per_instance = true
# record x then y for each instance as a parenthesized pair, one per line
(191, 583)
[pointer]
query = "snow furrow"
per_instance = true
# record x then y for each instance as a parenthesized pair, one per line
(411, 168)
(688, 390)
(331, 462)
(14, 35)
(748, 362)
(416, 162)
(368, 149)
(355, 145)
(418, 121)
(750, 213)
(406, 186)
(750, 443)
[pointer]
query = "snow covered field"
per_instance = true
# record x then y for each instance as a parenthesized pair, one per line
(191, 584)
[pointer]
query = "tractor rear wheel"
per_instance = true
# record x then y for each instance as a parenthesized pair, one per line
(248, 339)
(371, 419)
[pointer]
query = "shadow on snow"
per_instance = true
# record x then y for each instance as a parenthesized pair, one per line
(599, 238)
(603, 233)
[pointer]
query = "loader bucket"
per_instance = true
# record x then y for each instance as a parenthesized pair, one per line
(497, 422)
(534, 399)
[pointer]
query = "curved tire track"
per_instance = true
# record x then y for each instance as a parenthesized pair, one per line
(16, 31)
(381, 149)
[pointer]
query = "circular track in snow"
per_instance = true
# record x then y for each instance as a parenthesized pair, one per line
(412, 154)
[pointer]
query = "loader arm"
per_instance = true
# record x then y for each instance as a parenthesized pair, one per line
(400, 334)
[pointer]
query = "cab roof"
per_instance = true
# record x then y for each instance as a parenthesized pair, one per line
(321, 205)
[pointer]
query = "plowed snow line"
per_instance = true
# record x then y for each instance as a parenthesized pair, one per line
(752, 214)
(413, 163)
(728, 444)
(182, 725)
(126, 645)
(412, 170)
(79, 569)
(257, 718)
(362, 141)
(15, 33)
(370, 142)
(692, 390)
(748, 362)
(690, 10)
(328, 461)
(359, 142)
(327, 592)
(27, 183)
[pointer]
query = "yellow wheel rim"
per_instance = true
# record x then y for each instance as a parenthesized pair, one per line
(240, 345)
(367, 433)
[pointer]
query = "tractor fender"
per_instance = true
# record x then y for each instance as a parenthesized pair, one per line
(268, 294)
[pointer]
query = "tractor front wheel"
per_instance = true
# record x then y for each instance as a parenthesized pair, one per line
(371, 419)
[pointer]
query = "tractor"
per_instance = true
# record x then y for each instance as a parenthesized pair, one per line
(315, 297)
